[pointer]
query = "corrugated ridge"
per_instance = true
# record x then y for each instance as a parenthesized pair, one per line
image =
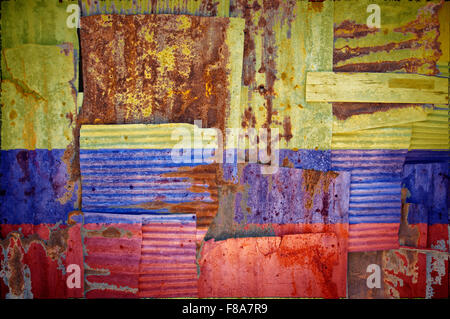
(168, 257)
(433, 133)
(375, 195)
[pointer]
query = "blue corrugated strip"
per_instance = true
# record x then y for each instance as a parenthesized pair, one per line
(375, 191)
(115, 181)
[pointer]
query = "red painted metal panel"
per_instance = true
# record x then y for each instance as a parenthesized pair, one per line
(302, 265)
(34, 260)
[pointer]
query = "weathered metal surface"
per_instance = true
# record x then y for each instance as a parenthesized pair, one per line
(37, 22)
(194, 7)
(112, 252)
(375, 196)
(372, 87)
(382, 138)
(411, 39)
(130, 169)
(278, 50)
(168, 265)
(289, 266)
(404, 273)
(167, 68)
(425, 206)
(38, 97)
(34, 260)
(433, 133)
(35, 187)
(291, 201)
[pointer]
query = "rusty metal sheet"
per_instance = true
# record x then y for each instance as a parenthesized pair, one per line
(403, 273)
(301, 265)
(168, 265)
(38, 97)
(35, 187)
(112, 252)
(35, 259)
(130, 169)
(167, 68)
(425, 192)
(194, 7)
(290, 201)
(411, 39)
(375, 196)
(283, 40)
(37, 22)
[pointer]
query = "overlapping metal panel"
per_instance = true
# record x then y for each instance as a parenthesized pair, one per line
(112, 253)
(132, 169)
(167, 68)
(375, 196)
(168, 265)
(35, 259)
(425, 206)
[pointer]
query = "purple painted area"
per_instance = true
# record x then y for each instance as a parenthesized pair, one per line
(292, 196)
(428, 192)
(33, 184)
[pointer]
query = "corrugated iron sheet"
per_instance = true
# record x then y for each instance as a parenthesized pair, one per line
(411, 39)
(168, 265)
(130, 169)
(404, 273)
(38, 97)
(194, 7)
(34, 260)
(112, 253)
(290, 266)
(375, 196)
(291, 201)
(168, 68)
(425, 206)
(278, 50)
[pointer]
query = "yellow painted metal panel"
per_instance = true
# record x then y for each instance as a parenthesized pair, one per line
(375, 87)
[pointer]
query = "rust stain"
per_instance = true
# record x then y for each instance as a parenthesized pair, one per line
(108, 232)
(343, 110)
(409, 235)
(350, 29)
(316, 182)
(167, 68)
(287, 126)
(16, 279)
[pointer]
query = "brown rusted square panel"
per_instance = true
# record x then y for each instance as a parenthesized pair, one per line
(161, 68)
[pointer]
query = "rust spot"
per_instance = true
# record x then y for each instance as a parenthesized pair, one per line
(287, 163)
(111, 232)
(16, 279)
(12, 114)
